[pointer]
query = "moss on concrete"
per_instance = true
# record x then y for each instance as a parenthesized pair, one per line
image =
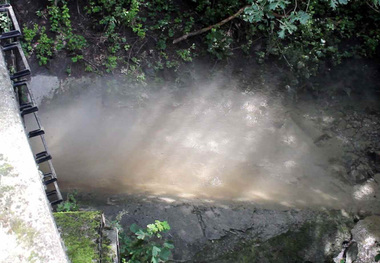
(6, 169)
(315, 241)
(287, 247)
(80, 232)
(107, 253)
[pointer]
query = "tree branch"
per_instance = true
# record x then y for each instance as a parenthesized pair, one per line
(203, 30)
(373, 8)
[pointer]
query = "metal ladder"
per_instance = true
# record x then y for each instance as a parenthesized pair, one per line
(19, 71)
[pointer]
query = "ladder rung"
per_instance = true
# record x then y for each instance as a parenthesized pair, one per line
(11, 34)
(50, 181)
(50, 193)
(25, 105)
(42, 157)
(11, 15)
(10, 46)
(48, 175)
(21, 73)
(35, 133)
(38, 155)
(29, 110)
(19, 83)
(56, 202)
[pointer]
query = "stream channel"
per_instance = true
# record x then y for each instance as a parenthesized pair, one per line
(219, 162)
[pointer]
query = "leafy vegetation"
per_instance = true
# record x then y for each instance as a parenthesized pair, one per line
(71, 203)
(111, 63)
(306, 36)
(29, 36)
(377, 257)
(219, 43)
(44, 47)
(4, 22)
(145, 245)
(61, 37)
(113, 16)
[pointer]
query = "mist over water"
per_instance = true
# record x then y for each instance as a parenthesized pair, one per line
(207, 141)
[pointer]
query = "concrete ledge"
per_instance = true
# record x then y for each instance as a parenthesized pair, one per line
(27, 229)
(86, 238)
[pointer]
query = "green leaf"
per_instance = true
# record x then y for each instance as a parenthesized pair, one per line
(169, 245)
(134, 228)
(377, 257)
(140, 234)
(165, 254)
(303, 17)
(274, 4)
(281, 34)
(253, 13)
(152, 228)
(333, 4)
(155, 251)
(165, 225)
(159, 225)
(287, 25)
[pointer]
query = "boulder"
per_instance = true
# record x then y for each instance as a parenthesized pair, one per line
(367, 235)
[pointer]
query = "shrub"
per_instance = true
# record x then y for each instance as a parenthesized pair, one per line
(146, 245)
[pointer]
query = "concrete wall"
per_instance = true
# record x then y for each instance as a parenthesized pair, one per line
(27, 229)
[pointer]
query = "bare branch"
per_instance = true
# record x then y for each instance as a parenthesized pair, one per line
(373, 8)
(203, 30)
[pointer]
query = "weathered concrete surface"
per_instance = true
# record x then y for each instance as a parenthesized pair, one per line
(367, 234)
(27, 229)
(43, 87)
(211, 231)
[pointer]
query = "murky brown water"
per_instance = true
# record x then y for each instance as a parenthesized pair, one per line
(203, 142)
